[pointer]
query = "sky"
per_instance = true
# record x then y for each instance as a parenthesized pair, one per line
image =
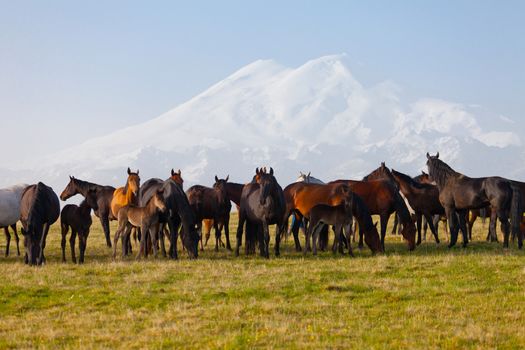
(72, 70)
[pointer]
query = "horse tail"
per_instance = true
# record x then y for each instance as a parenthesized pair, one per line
(483, 214)
(516, 212)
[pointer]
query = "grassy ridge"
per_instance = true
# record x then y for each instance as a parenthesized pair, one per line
(430, 298)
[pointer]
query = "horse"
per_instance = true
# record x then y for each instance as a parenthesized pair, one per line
(423, 198)
(146, 217)
(341, 217)
(233, 192)
(10, 212)
(78, 218)
(127, 195)
(382, 198)
(262, 204)
(178, 213)
(296, 224)
(459, 193)
(212, 203)
(39, 209)
(104, 196)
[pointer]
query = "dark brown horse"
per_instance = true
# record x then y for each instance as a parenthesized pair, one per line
(262, 204)
(382, 198)
(341, 217)
(212, 203)
(459, 193)
(78, 219)
(178, 213)
(39, 209)
(423, 198)
(233, 192)
(104, 196)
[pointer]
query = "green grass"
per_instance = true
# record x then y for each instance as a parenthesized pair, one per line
(434, 297)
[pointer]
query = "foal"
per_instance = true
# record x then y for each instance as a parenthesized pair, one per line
(78, 218)
(339, 216)
(146, 218)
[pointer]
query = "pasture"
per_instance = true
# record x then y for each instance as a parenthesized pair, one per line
(433, 297)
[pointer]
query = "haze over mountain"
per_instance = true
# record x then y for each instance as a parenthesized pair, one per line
(316, 117)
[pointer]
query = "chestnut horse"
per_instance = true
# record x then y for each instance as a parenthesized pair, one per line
(382, 198)
(127, 195)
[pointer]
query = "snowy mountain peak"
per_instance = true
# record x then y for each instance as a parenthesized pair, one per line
(316, 117)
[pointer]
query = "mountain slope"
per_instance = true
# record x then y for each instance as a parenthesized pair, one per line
(316, 117)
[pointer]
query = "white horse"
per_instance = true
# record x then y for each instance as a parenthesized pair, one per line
(10, 212)
(307, 178)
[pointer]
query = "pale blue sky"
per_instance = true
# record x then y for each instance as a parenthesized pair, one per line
(72, 70)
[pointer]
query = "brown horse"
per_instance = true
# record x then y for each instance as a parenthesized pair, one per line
(382, 198)
(127, 195)
(146, 218)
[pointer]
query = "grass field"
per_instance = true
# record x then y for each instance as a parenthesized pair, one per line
(434, 297)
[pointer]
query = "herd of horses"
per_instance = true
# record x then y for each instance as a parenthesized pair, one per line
(160, 208)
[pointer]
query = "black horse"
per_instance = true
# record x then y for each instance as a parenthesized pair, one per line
(39, 209)
(104, 196)
(78, 219)
(459, 193)
(178, 213)
(212, 203)
(262, 204)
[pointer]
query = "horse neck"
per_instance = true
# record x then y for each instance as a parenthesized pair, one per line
(233, 191)
(130, 197)
(221, 195)
(364, 219)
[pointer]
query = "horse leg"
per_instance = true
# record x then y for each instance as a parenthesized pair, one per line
(360, 245)
(425, 227)
(143, 244)
(72, 239)
(153, 233)
(227, 232)
(278, 232)
(8, 241)
(492, 235)
(217, 234)
(239, 233)
(339, 238)
(63, 231)
(463, 226)
(428, 218)
(161, 238)
(419, 218)
(42, 259)
(396, 222)
(453, 226)
(104, 221)
(296, 223)
(471, 219)
(266, 242)
(310, 231)
(17, 239)
(384, 223)
(505, 226)
(349, 233)
(314, 232)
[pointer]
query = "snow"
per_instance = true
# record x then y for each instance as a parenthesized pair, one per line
(316, 117)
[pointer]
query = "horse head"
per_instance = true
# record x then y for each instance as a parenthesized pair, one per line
(409, 234)
(158, 200)
(268, 185)
(70, 190)
(177, 177)
(133, 182)
(372, 239)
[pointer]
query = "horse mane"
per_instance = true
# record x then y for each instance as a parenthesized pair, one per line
(361, 213)
(410, 181)
(440, 171)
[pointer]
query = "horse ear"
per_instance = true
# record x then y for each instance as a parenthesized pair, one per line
(129, 171)
(271, 171)
(308, 174)
(265, 170)
(160, 191)
(172, 172)
(178, 173)
(137, 171)
(227, 178)
(216, 178)
(70, 177)
(437, 155)
(382, 164)
(428, 156)
(257, 171)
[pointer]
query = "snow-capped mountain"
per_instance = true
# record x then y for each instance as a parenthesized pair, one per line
(316, 117)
